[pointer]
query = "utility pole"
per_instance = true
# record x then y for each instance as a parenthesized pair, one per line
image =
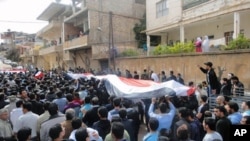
(111, 43)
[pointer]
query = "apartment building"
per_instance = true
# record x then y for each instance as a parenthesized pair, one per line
(87, 32)
(185, 20)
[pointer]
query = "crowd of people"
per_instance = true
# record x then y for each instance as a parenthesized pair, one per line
(57, 107)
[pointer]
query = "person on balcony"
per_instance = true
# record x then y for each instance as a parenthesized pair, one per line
(198, 44)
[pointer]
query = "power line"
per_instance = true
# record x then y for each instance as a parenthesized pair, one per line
(5, 21)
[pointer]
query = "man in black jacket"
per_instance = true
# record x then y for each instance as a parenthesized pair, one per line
(212, 80)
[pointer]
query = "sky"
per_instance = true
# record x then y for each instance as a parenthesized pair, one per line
(21, 15)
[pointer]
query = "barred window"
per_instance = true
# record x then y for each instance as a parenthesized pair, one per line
(161, 8)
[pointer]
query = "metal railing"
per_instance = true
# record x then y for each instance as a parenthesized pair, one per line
(191, 3)
(234, 98)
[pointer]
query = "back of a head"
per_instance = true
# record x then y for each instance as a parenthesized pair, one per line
(204, 98)
(53, 109)
(76, 123)
(27, 106)
(153, 124)
(163, 107)
(81, 134)
(117, 130)
(117, 101)
(233, 105)
(182, 132)
(19, 103)
(59, 94)
(210, 122)
(87, 99)
(95, 100)
(55, 130)
(24, 134)
(123, 113)
(103, 112)
(69, 97)
(183, 112)
(70, 114)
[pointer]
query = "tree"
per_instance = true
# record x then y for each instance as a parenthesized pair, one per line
(13, 55)
(141, 38)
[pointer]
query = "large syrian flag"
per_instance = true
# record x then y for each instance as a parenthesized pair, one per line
(139, 89)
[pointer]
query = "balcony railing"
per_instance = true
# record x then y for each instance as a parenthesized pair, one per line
(76, 42)
(33, 52)
(191, 3)
(48, 50)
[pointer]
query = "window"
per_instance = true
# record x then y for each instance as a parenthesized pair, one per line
(228, 36)
(161, 8)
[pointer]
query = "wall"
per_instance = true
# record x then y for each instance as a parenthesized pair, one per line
(216, 26)
(231, 61)
(174, 13)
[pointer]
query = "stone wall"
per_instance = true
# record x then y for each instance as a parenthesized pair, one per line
(231, 62)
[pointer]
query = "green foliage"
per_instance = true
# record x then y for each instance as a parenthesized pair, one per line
(177, 48)
(240, 42)
(13, 55)
(141, 38)
(129, 52)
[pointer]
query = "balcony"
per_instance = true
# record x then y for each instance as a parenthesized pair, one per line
(77, 43)
(48, 50)
(191, 3)
(34, 52)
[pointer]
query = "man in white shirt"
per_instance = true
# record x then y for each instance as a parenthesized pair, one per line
(16, 113)
(28, 119)
(209, 127)
(154, 77)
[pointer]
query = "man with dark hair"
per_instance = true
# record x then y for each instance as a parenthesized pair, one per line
(103, 126)
(145, 75)
(171, 76)
(211, 77)
(117, 131)
(81, 134)
(209, 127)
(53, 119)
(136, 75)
(91, 115)
(223, 123)
(16, 113)
(71, 104)
(128, 124)
(56, 132)
(233, 112)
(225, 90)
(238, 87)
(245, 106)
(153, 125)
(165, 118)
(183, 115)
(115, 111)
(28, 119)
(60, 101)
(43, 117)
(202, 108)
(24, 134)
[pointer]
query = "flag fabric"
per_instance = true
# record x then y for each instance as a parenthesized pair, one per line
(39, 75)
(137, 89)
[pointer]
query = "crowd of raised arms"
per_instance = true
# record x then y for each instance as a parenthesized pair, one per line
(57, 107)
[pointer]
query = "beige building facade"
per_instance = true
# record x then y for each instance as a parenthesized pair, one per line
(85, 33)
(185, 20)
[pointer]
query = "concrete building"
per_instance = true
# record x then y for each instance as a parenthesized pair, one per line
(86, 32)
(185, 20)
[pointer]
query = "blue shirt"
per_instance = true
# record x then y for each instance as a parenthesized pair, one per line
(85, 107)
(165, 119)
(235, 118)
(151, 136)
(61, 103)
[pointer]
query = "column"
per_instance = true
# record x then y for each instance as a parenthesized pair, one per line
(236, 24)
(182, 32)
(164, 39)
(148, 45)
